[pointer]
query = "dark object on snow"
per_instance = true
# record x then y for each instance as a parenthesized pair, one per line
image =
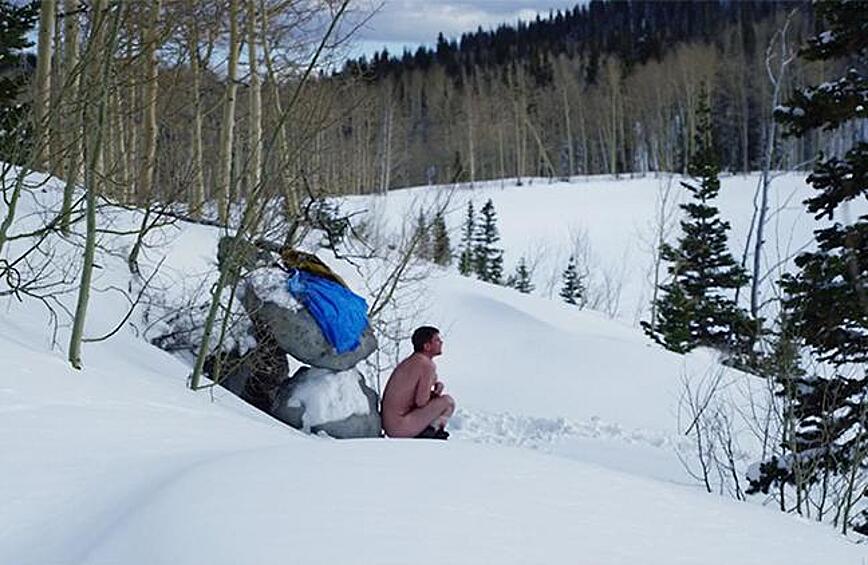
(297, 333)
(340, 314)
(431, 433)
(292, 411)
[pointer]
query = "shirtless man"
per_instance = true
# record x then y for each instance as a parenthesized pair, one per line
(413, 403)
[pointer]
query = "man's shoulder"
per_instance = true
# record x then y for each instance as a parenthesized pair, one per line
(421, 360)
(417, 361)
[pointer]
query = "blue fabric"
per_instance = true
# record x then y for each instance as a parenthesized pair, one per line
(341, 315)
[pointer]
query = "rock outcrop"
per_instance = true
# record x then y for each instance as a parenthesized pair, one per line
(293, 328)
(338, 403)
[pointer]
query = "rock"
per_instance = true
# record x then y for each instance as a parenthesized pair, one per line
(338, 403)
(234, 372)
(255, 376)
(268, 302)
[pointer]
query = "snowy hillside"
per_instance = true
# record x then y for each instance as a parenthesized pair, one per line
(565, 447)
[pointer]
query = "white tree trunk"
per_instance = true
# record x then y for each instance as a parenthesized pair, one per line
(98, 65)
(42, 94)
(228, 127)
(71, 111)
(197, 192)
(254, 163)
(145, 190)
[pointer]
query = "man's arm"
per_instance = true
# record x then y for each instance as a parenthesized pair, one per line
(423, 386)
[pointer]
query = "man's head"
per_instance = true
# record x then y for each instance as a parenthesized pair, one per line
(426, 340)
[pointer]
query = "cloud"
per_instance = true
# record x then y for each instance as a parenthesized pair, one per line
(414, 22)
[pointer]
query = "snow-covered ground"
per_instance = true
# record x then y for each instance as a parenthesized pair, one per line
(563, 450)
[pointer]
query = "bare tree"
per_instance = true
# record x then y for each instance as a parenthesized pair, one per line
(42, 94)
(224, 176)
(254, 116)
(72, 117)
(151, 88)
(255, 203)
(197, 195)
(99, 61)
(785, 57)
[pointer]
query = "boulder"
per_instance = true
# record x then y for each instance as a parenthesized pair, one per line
(254, 376)
(268, 302)
(234, 372)
(338, 403)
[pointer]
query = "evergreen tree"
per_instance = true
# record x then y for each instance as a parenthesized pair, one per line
(16, 22)
(693, 309)
(573, 287)
(441, 249)
(466, 260)
(423, 238)
(826, 300)
(520, 280)
(488, 257)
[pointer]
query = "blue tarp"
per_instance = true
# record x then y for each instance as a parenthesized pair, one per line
(340, 314)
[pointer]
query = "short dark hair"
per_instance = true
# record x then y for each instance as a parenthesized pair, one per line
(423, 335)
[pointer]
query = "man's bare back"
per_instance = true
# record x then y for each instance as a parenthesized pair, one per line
(413, 399)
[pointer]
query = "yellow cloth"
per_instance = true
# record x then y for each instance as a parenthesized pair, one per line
(293, 259)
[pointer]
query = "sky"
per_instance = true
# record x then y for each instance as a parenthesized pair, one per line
(410, 23)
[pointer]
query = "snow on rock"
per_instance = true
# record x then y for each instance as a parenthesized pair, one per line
(328, 396)
(269, 285)
(338, 403)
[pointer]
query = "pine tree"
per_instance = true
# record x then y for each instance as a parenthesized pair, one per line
(441, 249)
(573, 287)
(520, 280)
(826, 300)
(488, 263)
(422, 237)
(466, 259)
(17, 21)
(693, 309)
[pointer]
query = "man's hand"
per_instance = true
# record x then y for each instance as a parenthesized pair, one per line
(438, 389)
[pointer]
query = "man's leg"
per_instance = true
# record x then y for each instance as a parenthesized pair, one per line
(431, 414)
(440, 422)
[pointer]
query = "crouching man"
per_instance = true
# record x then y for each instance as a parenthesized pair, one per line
(413, 403)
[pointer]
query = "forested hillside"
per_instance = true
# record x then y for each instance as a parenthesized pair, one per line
(607, 87)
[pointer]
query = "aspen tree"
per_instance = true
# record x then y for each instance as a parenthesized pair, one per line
(98, 70)
(145, 190)
(290, 198)
(72, 115)
(254, 117)
(197, 196)
(253, 204)
(42, 94)
(224, 177)
(776, 78)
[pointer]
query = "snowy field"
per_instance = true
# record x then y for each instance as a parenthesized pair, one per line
(564, 449)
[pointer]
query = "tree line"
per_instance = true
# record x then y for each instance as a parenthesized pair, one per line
(606, 88)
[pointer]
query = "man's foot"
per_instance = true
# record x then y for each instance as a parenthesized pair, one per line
(433, 433)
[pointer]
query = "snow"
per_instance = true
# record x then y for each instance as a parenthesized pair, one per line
(565, 447)
(269, 285)
(329, 397)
